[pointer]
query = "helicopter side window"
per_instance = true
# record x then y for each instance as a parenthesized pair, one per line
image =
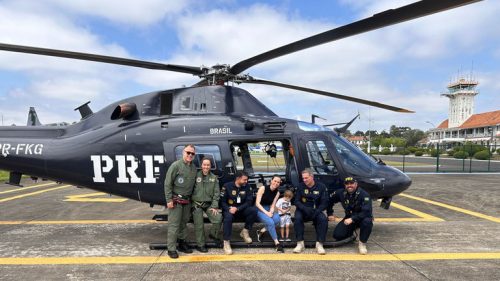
(186, 103)
(265, 157)
(320, 160)
(211, 152)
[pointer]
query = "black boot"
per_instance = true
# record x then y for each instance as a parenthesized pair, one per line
(202, 249)
(173, 254)
(184, 247)
(217, 241)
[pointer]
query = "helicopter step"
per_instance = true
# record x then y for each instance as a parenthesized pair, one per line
(14, 179)
(263, 244)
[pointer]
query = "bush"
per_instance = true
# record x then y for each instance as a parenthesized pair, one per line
(460, 155)
(433, 152)
(419, 153)
(473, 148)
(412, 149)
(451, 152)
(482, 155)
(498, 151)
(385, 151)
(404, 152)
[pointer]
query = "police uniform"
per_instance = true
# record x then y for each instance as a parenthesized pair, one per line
(206, 196)
(179, 182)
(358, 207)
(242, 199)
(310, 203)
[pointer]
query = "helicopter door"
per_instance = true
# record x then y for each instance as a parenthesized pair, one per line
(320, 159)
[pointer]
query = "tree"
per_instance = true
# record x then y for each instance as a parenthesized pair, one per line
(359, 133)
(412, 136)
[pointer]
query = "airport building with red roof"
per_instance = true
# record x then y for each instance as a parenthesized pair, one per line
(462, 124)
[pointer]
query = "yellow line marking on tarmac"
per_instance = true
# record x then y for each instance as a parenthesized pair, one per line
(32, 193)
(24, 188)
(421, 215)
(84, 198)
(80, 222)
(472, 213)
(248, 257)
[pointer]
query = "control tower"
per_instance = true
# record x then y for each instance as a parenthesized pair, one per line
(461, 94)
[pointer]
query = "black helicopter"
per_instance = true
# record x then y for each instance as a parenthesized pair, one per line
(125, 148)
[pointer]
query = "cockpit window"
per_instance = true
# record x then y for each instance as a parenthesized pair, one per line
(308, 127)
(320, 160)
(354, 161)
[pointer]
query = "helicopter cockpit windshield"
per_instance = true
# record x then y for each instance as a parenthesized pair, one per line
(354, 161)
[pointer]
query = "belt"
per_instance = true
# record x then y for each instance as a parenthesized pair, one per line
(287, 214)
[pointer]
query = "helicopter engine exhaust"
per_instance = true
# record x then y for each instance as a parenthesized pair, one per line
(124, 111)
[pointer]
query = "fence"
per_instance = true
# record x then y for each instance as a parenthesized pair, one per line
(442, 158)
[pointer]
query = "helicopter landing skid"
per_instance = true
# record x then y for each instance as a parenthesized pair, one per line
(263, 244)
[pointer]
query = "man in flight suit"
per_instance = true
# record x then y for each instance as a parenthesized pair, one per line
(357, 204)
(206, 200)
(237, 203)
(311, 199)
(179, 183)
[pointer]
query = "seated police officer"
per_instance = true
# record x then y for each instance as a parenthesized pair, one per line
(206, 200)
(236, 200)
(358, 213)
(311, 199)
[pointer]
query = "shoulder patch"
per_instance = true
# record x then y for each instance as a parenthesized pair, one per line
(367, 198)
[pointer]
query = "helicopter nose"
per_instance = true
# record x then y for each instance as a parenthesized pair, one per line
(397, 182)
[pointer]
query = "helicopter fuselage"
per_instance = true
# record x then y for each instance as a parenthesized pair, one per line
(129, 156)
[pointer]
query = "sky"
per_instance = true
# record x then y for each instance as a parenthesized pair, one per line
(406, 65)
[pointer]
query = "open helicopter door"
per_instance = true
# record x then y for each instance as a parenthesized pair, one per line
(318, 154)
(217, 151)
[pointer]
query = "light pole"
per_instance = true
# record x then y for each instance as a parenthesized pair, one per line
(438, 144)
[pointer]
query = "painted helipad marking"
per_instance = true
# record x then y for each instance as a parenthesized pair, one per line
(248, 257)
(35, 222)
(472, 213)
(85, 198)
(421, 215)
(24, 188)
(32, 193)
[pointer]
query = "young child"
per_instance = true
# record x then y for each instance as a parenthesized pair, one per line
(283, 206)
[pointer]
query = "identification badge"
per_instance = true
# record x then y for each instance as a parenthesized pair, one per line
(233, 192)
(238, 200)
(180, 180)
(306, 191)
(230, 201)
(316, 192)
(198, 179)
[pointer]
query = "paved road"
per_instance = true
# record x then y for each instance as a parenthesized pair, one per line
(428, 164)
(445, 227)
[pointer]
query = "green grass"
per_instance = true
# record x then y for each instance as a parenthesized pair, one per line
(4, 175)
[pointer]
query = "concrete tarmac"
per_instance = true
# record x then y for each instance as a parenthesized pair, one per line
(445, 227)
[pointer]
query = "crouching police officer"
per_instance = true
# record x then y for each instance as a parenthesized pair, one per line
(311, 199)
(179, 183)
(358, 213)
(206, 200)
(237, 203)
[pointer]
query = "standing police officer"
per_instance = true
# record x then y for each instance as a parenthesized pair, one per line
(358, 213)
(179, 183)
(311, 199)
(237, 203)
(206, 200)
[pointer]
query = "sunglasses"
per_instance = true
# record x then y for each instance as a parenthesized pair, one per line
(190, 153)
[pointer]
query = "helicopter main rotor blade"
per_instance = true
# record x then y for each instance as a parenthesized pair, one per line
(99, 58)
(383, 19)
(324, 93)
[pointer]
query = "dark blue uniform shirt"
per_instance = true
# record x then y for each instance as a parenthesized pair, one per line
(357, 205)
(230, 193)
(315, 197)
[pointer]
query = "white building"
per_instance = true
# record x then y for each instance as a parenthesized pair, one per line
(462, 124)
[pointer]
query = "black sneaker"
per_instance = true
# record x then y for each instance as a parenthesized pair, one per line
(173, 254)
(279, 248)
(184, 247)
(202, 249)
(260, 234)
